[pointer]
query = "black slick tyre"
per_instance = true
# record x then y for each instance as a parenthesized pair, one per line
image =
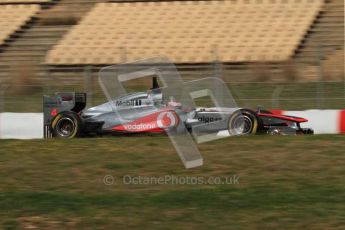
(66, 125)
(244, 122)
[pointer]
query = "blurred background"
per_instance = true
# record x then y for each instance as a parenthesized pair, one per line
(277, 54)
(286, 54)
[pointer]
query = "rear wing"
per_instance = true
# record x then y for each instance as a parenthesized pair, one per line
(60, 102)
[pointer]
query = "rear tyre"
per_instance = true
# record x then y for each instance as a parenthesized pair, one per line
(243, 122)
(66, 125)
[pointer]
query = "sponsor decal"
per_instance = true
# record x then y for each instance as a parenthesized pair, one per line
(128, 103)
(124, 103)
(209, 119)
(166, 120)
(140, 126)
(155, 122)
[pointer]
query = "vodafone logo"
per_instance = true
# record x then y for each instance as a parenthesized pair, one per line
(139, 127)
(167, 120)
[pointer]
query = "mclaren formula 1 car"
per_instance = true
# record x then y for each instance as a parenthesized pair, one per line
(148, 112)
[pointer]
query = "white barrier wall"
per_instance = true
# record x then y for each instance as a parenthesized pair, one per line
(30, 125)
(21, 125)
(322, 121)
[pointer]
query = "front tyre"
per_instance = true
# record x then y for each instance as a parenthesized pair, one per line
(66, 125)
(243, 122)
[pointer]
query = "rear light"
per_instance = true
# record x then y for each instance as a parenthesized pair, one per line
(53, 112)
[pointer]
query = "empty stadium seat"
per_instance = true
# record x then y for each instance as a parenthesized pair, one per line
(23, 1)
(188, 31)
(14, 16)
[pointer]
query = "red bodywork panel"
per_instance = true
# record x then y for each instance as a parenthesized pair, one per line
(155, 123)
(283, 117)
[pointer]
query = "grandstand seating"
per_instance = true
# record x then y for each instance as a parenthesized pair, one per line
(327, 35)
(14, 16)
(23, 1)
(188, 32)
(31, 42)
